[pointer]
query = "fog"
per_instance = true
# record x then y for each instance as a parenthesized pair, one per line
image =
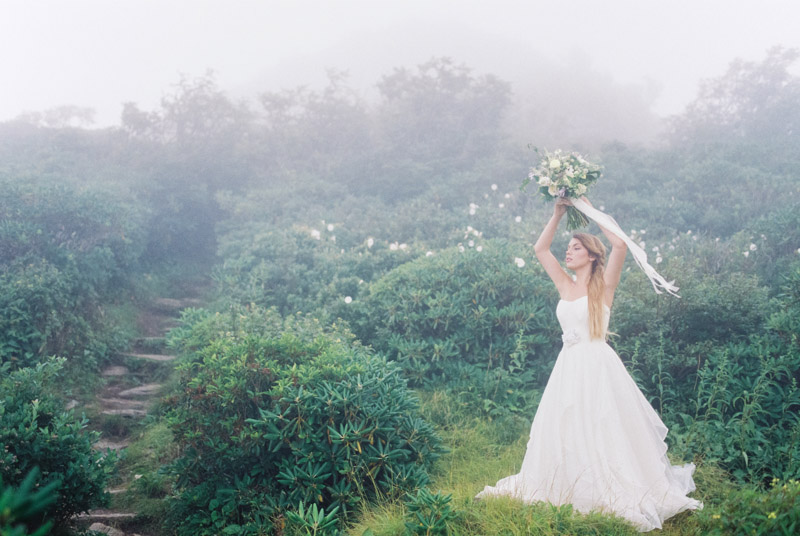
(591, 58)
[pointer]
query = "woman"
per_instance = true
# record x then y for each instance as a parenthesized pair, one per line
(595, 442)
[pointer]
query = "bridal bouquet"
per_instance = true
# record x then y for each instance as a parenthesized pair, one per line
(562, 174)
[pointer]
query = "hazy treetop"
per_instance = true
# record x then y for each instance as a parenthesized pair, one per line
(99, 54)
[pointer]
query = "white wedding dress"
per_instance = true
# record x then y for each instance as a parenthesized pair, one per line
(596, 442)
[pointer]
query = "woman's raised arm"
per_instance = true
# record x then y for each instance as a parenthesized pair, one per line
(542, 249)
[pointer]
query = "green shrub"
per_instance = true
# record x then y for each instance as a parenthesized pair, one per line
(750, 511)
(285, 414)
(65, 256)
(22, 507)
(473, 321)
(291, 270)
(430, 513)
(36, 432)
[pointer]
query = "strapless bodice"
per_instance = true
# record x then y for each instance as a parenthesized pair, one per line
(573, 316)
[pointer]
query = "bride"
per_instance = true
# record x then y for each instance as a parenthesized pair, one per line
(595, 442)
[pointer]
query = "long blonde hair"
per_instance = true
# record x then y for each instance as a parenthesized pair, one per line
(597, 284)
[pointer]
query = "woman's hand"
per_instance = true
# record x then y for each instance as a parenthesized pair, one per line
(561, 206)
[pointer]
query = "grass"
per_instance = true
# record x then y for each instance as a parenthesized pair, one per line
(481, 452)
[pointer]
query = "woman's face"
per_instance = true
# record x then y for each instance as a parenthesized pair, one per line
(577, 255)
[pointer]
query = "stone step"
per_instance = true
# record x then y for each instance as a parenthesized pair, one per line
(123, 403)
(103, 444)
(116, 370)
(105, 514)
(149, 344)
(117, 491)
(105, 529)
(147, 389)
(125, 412)
(172, 304)
(151, 357)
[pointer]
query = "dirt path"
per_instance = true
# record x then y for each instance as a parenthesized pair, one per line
(133, 384)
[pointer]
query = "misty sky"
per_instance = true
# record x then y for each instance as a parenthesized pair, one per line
(102, 53)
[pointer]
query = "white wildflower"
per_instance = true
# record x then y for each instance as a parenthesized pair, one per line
(507, 196)
(316, 234)
(330, 227)
(642, 244)
(471, 243)
(370, 242)
(518, 219)
(429, 253)
(753, 247)
(658, 259)
(494, 187)
(461, 248)
(746, 253)
(642, 231)
(403, 246)
(501, 205)
(519, 262)
(472, 212)
(333, 238)
(347, 299)
(655, 248)
(393, 246)
(479, 248)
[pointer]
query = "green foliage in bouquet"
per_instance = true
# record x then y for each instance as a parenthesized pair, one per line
(35, 431)
(561, 174)
(275, 413)
(480, 323)
(21, 507)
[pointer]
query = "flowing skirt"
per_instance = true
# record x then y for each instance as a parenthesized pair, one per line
(598, 444)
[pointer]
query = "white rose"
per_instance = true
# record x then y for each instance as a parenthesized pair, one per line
(555, 163)
(544, 181)
(553, 190)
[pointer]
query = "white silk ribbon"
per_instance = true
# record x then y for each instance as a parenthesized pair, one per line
(639, 255)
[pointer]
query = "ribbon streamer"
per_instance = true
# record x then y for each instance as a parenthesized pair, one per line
(604, 220)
